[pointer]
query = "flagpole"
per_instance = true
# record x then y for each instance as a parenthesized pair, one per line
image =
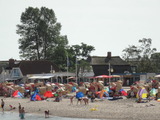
(109, 73)
(67, 67)
(76, 69)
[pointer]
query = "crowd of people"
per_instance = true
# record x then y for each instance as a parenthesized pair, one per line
(88, 92)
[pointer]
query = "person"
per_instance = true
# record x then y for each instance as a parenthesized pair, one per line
(22, 112)
(57, 99)
(79, 101)
(19, 107)
(71, 99)
(92, 97)
(2, 105)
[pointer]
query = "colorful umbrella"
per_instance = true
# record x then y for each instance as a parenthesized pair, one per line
(103, 76)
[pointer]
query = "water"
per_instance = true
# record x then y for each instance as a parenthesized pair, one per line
(15, 116)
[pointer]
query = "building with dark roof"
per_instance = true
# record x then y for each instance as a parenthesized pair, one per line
(33, 67)
(17, 70)
(102, 65)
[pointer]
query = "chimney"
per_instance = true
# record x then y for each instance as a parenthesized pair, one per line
(109, 55)
(11, 62)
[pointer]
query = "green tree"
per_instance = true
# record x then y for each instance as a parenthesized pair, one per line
(155, 58)
(81, 53)
(40, 36)
(140, 55)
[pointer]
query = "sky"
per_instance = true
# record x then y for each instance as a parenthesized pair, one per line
(108, 25)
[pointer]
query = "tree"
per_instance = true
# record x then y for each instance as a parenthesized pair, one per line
(140, 55)
(40, 34)
(155, 58)
(81, 53)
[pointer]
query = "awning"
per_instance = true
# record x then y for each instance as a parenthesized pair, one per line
(14, 78)
(40, 77)
(49, 75)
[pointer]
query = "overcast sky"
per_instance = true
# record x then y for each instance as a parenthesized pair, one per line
(108, 25)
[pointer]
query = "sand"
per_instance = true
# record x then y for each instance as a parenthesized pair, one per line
(122, 109)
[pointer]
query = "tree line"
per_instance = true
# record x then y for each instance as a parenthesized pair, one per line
(41, 39)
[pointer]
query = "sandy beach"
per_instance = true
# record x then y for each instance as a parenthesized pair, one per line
(122, 109)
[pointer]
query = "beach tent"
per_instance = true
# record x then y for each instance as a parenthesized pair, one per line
(123, 92)
(17, 94)
(36, 97)
(79, 95)
(142, 93)
(102, 93)
(153, 92)
(48, 94)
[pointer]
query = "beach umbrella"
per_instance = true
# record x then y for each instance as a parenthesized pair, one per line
(79, 95)
(157, 76)
(116, 76)
(71, 78)
(103, 76)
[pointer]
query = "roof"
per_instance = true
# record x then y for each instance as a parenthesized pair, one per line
(114, 60)
(36, 67)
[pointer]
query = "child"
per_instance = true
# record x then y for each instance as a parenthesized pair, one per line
(71, 99)
(92, 97)
(2, 105)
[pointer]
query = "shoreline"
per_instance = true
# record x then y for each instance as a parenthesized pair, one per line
(123, 109)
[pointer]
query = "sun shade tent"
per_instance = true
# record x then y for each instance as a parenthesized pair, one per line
(17, 94)
(36, 97)
(48, 94)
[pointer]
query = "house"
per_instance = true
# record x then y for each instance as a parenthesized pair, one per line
(16, 70)
(34, 67)
(109, 65)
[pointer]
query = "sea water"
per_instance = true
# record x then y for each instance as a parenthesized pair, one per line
(15, 116)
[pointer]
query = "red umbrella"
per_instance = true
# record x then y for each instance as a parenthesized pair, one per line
(103, 76)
